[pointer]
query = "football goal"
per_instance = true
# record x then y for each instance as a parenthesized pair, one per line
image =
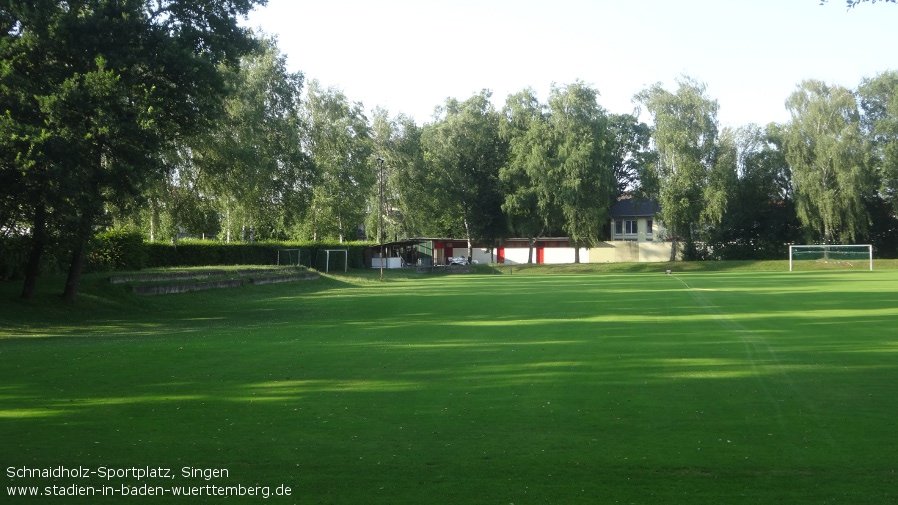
(817, 257)
(294, 257)
(336, 253)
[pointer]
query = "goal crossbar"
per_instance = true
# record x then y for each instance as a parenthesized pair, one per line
(831, 252)
(327, 260)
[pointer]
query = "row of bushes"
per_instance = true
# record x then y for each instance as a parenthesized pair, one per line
(13, 257)
(186, 254)
(123, 249)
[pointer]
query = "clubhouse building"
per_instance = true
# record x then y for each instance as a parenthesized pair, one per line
(636, 236)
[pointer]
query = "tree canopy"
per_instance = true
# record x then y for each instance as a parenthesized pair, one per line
(464, 152)
(854, 3)
(92, 92)
(824, 146)
(169, 117)
(691, 185)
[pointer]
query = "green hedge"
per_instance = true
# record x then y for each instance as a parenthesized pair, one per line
(125, 249)
(195, 253)
(117, 249)
(13, 257)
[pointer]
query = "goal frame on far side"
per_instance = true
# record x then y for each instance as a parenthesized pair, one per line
(835, 249)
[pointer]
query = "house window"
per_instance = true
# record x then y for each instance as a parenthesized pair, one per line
(632, 227)
(648, 226)
(619, 227)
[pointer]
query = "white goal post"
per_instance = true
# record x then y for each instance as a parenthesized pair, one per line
(327, 260)
(832, 254)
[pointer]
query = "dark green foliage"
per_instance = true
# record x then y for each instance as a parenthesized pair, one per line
(13, 255)
(186, 254)
(754, 230)
(117, 249)
(189, 253)
(760, 219)
(463, 153)
(883, 230)
(91, 92)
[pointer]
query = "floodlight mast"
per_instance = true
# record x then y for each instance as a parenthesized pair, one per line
(380, 211)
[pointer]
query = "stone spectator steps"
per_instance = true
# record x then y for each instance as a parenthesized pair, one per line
(198, 280)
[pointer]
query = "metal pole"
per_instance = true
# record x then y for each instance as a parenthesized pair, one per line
(380, 210)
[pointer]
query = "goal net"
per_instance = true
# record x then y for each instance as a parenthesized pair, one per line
(295, 257)
(834, 257)
(336, 258)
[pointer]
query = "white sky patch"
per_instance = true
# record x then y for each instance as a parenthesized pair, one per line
(410, 55)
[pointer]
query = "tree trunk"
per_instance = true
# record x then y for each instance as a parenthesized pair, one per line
(576, 252)
(152, 221)
(228, 224)
(38, 243)
(673, 249)
(530, 251)
(73, 281)
(470, 244)
(340, 224)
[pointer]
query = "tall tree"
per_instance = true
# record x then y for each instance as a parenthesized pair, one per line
(528, 204)
(463, 153)
(93, 90)
(397, 141)
(252, 161)
(172, 204)
(824, 146)
(631, 153)
(760, 216)
(339, 142)
(407, 180)
(583, 176)
(691, 185)
(879, 104)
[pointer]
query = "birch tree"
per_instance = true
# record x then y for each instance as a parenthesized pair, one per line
(528, 205)
(463, 153)
(879, 105)
(824, 146)
(691, 185)
(582, 177)
(339, 142)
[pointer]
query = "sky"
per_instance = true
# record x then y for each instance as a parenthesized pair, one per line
(409, 56)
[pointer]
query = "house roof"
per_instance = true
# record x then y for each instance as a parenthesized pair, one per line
(629, 207)
(400, 243)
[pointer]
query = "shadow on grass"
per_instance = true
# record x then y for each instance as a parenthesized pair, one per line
(614, 388)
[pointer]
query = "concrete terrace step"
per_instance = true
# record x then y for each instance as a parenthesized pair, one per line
(167, 283)
(167, 289)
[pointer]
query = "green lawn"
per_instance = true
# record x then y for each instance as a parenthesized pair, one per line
(739, 386)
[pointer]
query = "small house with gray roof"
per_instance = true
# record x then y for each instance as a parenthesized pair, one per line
(634, 220)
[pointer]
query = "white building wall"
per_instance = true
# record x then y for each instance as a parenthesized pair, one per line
(479, 255)
(558, 255)
(630, 252)
(518, 255)
(388, 262)
(484, 256)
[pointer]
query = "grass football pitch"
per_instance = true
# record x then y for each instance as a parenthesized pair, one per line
(697, 387)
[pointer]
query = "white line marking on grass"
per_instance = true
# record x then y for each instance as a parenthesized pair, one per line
(755, 348)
